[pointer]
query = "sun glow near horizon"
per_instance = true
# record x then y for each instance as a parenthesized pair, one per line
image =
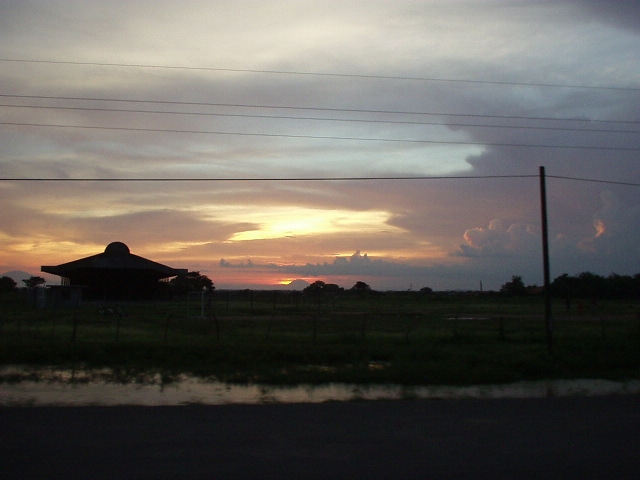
(294, 222)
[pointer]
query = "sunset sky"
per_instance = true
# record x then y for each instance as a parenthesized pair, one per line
(277, 139)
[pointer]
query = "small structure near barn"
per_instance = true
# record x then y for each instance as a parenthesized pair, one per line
(58, 296)
(115, 274)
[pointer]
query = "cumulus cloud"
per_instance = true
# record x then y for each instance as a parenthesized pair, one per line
(614, 225)
(498, 240)
(379, 271)
(356, 264)
(240, 265)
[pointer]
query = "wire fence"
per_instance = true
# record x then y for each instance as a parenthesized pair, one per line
(274, 317)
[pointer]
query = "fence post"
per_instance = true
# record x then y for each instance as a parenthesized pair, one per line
(166, 328)
(266, 336)
(216, 324)
(74, 331)
(53, 326)
(407, 332)
(118, 326)
(315, 327)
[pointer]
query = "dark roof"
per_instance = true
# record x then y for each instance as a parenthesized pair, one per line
(115, 257)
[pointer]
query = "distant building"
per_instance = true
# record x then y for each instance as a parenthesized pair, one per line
(115, 274)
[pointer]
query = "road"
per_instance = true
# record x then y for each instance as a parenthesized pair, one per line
(563, 438)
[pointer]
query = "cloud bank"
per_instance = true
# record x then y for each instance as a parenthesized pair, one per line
(485, 93)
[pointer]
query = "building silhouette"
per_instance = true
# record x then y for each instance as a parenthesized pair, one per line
(116, 274)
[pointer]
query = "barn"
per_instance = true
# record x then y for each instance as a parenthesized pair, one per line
(115, 274)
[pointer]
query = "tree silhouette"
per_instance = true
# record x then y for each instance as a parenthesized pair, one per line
(191, 282)
(587, 285)
(316, 288)
(514, 288)
(361, 287)
(7, 284)
(320, 289)
(33, 282)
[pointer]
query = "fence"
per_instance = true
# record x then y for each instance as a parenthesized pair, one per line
(276, 317)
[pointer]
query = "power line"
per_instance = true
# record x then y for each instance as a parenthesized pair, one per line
(325, 137)
(318, 109)
(327, 74)
(269, 179)
(593, 180)
(309, 179)
(324, 119)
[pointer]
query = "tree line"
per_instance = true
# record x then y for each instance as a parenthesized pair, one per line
(585, 285)
(8, 284)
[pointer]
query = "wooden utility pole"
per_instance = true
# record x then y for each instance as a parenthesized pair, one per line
(545, 261)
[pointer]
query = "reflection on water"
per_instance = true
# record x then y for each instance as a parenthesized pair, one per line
(42, 386)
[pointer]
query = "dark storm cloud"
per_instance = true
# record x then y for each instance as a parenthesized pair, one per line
(624, 13)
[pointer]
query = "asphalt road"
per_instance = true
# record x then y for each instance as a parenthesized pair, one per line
(564, 438)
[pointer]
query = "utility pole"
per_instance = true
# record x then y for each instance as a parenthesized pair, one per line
(545, 261)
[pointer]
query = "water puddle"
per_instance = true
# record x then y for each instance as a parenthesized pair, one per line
(57, 387)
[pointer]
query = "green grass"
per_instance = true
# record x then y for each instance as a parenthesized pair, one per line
(401, 338)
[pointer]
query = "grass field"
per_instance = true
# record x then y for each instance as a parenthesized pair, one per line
(278, 338)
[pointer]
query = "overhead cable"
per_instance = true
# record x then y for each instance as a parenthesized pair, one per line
(310, 179)
(326, 74)
(326, 137)
(318, 109)
(322, 119)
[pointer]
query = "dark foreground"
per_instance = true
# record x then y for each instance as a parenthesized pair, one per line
(597, 437)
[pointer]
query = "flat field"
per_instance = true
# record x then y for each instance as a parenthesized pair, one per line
(405, 338)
